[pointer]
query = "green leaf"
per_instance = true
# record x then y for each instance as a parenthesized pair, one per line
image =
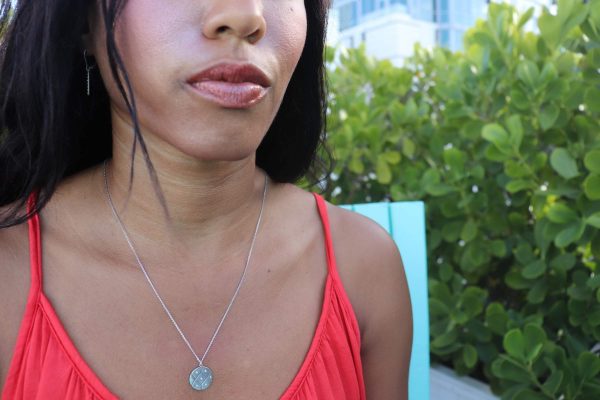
(451, 231)
(498, 248)
(539, 160)
(437, 307)
(549, 73)
(593, 57)
(356, 164)
(595, 14)
(515, 170)
(528, 73)
(439, 189)
(408, 147)
(588, 365)
(469, 356)
(525, 17)
(506, 369)
(455, 159)
(534, 338)
(519, 185)
(493, 154)
(537, 293)
(592, 161)
(469, 231)
(548, 116)
(592, 99)
(550, 29)
(392, 157)
(593, 318)
(563, 163)
(534, 270)
(514, 344)
(477, 172)
(524, 253)
(593, 220)
(528, 394)
(591, 186)
(570, 234)
(561, 214)
(496, 135)
(557, 89)
(496, 318)
(383, 171)
(430, 177)
(563, 262)
(553, 382)
(446, 273)
(515, 127)
(519, 99)
(445, 339)
(594, 282)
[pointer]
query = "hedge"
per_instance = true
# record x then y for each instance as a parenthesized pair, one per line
(502, 143)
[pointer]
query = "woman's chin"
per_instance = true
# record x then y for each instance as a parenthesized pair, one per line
(218, 154)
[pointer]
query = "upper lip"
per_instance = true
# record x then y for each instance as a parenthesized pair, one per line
(232, 73)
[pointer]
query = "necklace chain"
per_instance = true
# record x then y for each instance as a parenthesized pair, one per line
(141, 265)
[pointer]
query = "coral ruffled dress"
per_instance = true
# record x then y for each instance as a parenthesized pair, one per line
(46, 365)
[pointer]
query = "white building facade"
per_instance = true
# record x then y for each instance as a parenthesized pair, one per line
(390, 28)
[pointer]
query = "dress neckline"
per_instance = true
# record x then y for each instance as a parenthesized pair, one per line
(94, 382)
(38, 297)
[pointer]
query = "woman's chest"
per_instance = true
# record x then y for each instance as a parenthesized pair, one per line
(125, 337)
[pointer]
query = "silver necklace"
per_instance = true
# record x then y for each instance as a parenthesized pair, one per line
(201, 377)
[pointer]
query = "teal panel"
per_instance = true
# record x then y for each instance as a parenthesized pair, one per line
(408, 231)
(405, 221)
(378, 212)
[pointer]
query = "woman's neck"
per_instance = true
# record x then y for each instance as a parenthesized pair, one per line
(209, 207)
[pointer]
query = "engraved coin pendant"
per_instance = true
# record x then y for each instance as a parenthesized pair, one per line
(201, 378)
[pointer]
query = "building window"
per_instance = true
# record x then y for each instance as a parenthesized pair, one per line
(348, 15)
(423, 10)
(368, 6)
(443, 12)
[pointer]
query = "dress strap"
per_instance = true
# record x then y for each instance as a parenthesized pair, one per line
(35, 251)
(331, 265)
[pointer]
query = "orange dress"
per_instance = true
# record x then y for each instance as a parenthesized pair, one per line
(46, 365)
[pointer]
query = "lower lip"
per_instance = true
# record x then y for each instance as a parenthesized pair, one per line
(230, 95)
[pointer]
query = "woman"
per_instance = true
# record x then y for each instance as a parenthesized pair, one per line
(146, 162)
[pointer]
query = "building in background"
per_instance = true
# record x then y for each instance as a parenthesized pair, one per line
(390, 28)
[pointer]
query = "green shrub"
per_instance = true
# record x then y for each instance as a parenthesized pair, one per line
(502, 142)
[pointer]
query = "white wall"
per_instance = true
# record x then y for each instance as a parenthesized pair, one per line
(446, 385)
(391, 36)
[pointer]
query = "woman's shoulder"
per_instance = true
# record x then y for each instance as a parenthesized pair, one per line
(372, 272)
(361, 245)
(367, 257)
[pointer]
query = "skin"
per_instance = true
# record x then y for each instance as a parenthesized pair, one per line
(204, 155)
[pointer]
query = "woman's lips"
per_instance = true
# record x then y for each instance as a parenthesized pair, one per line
(231, 85)
(230, 95)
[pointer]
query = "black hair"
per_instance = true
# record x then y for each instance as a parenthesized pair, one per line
(50, 128)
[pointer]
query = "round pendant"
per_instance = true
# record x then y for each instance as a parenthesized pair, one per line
(201, 378)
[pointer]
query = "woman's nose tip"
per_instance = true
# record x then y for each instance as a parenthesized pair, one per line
(247, 23)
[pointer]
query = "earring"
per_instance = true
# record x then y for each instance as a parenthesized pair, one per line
(88, 68)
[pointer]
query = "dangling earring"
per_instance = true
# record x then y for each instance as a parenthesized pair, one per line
(88, 68)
